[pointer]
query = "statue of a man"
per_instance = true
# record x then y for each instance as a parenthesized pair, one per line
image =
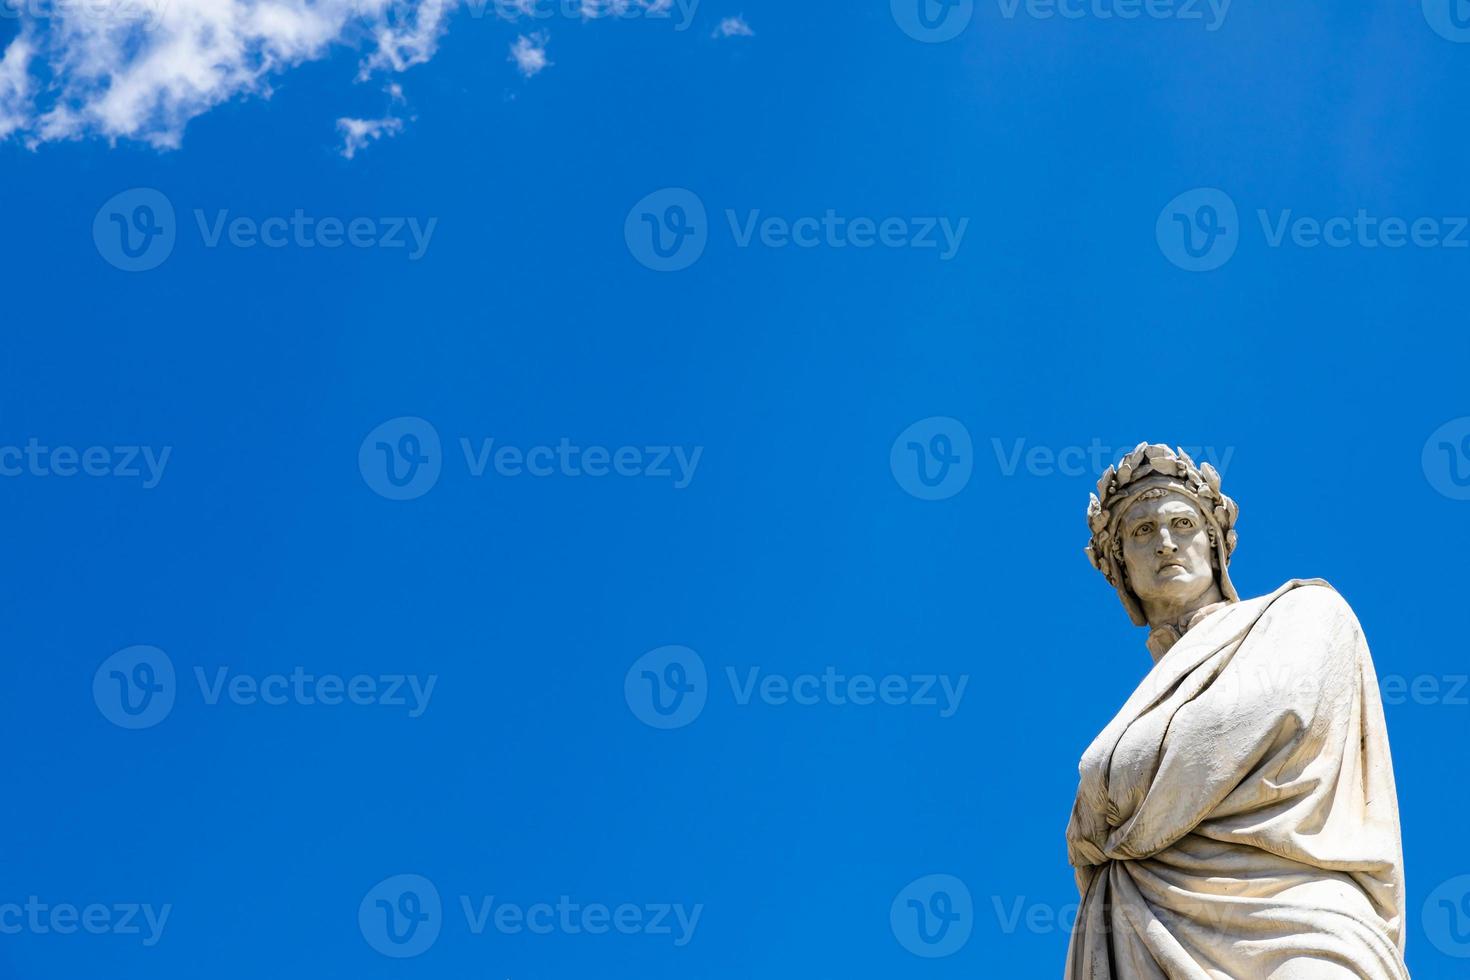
(1237, 818)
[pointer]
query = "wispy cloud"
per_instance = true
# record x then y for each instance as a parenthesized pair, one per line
(733, 27)
(529, 53)
(358, 133)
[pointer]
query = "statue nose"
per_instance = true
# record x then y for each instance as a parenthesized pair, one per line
(1166, 544)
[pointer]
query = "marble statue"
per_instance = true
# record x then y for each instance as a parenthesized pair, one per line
(1237, 818)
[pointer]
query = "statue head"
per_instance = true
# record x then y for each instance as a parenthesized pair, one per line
(1162, 531)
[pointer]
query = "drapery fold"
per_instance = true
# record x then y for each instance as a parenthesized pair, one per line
(1238, 818)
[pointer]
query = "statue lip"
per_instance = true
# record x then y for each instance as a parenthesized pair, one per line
(1171, 564)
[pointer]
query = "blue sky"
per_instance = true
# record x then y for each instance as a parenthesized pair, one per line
(864, 231)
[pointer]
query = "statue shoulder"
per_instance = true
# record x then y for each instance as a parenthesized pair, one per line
(1310, 601)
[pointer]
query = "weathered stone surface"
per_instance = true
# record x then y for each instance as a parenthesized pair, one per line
(1237, 818)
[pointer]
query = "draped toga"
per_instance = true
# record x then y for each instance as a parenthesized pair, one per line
(1237, 818)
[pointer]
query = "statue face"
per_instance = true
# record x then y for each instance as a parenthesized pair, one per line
(1166, 550)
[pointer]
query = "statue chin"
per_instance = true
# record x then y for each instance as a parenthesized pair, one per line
(1180, 588)
(1167, 587)
(1178, 591)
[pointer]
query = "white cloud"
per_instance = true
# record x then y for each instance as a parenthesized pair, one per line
(142, 69)
(733, 27)
(529, 53)
(358, 133)
(15, 85)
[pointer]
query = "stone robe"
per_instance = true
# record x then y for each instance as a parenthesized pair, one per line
(1238, 818)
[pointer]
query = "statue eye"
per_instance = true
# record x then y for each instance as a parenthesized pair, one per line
(1184, 522)
(1142, 529)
